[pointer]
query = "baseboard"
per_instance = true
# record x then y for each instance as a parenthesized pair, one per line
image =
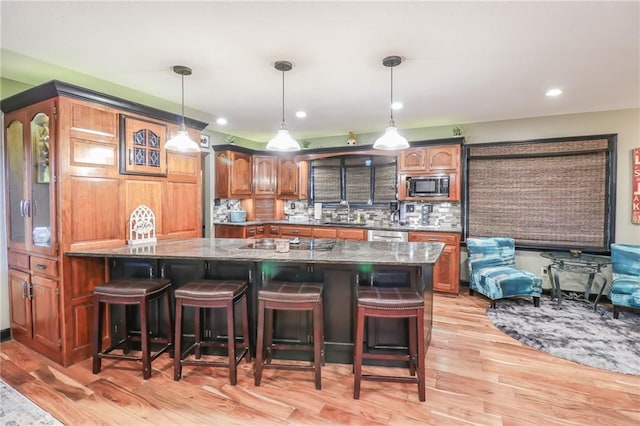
(5, 334)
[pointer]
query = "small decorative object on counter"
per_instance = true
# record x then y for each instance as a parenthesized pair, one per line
(238, 216)
(142, 226)
(282, 245)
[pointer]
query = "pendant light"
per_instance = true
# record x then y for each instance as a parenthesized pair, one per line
(283, 141)
(181, 141)
(391, 140)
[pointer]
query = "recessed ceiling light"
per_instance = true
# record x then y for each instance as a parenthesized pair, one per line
(553, 92)
(221, 121)
(301, 114)
(397, 105)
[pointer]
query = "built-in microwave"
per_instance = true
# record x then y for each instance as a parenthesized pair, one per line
(428, 186)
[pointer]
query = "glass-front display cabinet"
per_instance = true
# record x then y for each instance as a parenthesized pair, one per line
(30, 179)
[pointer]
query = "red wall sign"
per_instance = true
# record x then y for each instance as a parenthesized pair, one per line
(635, 187)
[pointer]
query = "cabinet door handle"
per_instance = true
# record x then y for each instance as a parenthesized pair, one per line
(24, 290)
(295, 187)
(41, 266)
(130, 157)
(35, 205)
(22, 208)
(27, 208)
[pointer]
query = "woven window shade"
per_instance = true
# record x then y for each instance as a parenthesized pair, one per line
(385, 183)
(541, 194)
(326, 184)
(358, 184)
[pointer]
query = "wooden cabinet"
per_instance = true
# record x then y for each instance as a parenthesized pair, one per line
(30, 155)
(234, 174)
(293, 176)
(70, 185)
(324, 232)
(429, 159)
(296, 231)
(446, 272)
(230, 231)
(142, 146)
(358, 234)
(264, 175)
(440, 160)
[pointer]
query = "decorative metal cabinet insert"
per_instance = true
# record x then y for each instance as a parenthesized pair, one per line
(142, 146)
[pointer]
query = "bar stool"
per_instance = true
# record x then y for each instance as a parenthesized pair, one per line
(132, 292)
(210, 294)
(391, 303)
(289, 296)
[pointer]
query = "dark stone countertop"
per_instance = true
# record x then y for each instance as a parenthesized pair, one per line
(230, 249)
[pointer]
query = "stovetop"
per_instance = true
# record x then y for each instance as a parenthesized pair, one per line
(294, 244)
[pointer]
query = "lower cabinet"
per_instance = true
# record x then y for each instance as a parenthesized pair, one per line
(446, 273)
(35, 310)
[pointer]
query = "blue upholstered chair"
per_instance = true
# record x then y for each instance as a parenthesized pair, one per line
(492, 271)
(625, 287)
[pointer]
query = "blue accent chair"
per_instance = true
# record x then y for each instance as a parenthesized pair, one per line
(625, 286)
(492, 271)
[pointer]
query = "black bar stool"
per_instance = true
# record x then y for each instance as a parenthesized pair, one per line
(210, 294)
(132, 292)
(383, 302)
(290, 296)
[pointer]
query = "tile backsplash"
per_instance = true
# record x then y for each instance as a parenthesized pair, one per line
(433, 213)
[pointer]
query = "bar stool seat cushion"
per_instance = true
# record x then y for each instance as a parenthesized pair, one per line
(132, 287)
(389, 298)
(291, 292)
(211, 290)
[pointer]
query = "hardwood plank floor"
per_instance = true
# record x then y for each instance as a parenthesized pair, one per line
(476, 375)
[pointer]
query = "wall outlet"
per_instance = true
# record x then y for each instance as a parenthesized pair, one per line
(410, 208)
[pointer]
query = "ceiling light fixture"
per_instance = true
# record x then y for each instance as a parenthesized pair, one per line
(554, 92)
(181, 141)
(221, 121)
(391, 140)
(283, 141)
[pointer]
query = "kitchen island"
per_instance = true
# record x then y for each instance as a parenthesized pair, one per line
(341, 266)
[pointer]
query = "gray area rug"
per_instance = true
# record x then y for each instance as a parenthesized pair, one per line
(16, 409)
(573, 331)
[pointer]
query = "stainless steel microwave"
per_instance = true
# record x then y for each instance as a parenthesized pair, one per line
(428, 186)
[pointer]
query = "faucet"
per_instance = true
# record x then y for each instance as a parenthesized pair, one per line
(346, 203)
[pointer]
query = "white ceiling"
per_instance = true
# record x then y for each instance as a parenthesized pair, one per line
(463, 61)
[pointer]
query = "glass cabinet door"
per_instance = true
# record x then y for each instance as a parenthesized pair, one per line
(16, 184)
(40, 204)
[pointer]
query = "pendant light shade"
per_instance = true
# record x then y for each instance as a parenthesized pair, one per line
(391, 140)
(181, 141)
(283, 141)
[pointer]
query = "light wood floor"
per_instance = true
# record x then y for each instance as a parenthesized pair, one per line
(475, 375)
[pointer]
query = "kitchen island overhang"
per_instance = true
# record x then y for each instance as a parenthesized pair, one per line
(341, 270)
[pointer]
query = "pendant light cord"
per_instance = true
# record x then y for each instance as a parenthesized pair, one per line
(283, 97)
(183, 124)
(391, 104)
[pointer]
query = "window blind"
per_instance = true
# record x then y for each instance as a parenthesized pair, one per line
(545, 194)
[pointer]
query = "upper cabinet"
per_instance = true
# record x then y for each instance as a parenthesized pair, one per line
(142, 146)
(264, 175)
(234, 174)
(429, 159)
(293, 176)
(31, 176)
